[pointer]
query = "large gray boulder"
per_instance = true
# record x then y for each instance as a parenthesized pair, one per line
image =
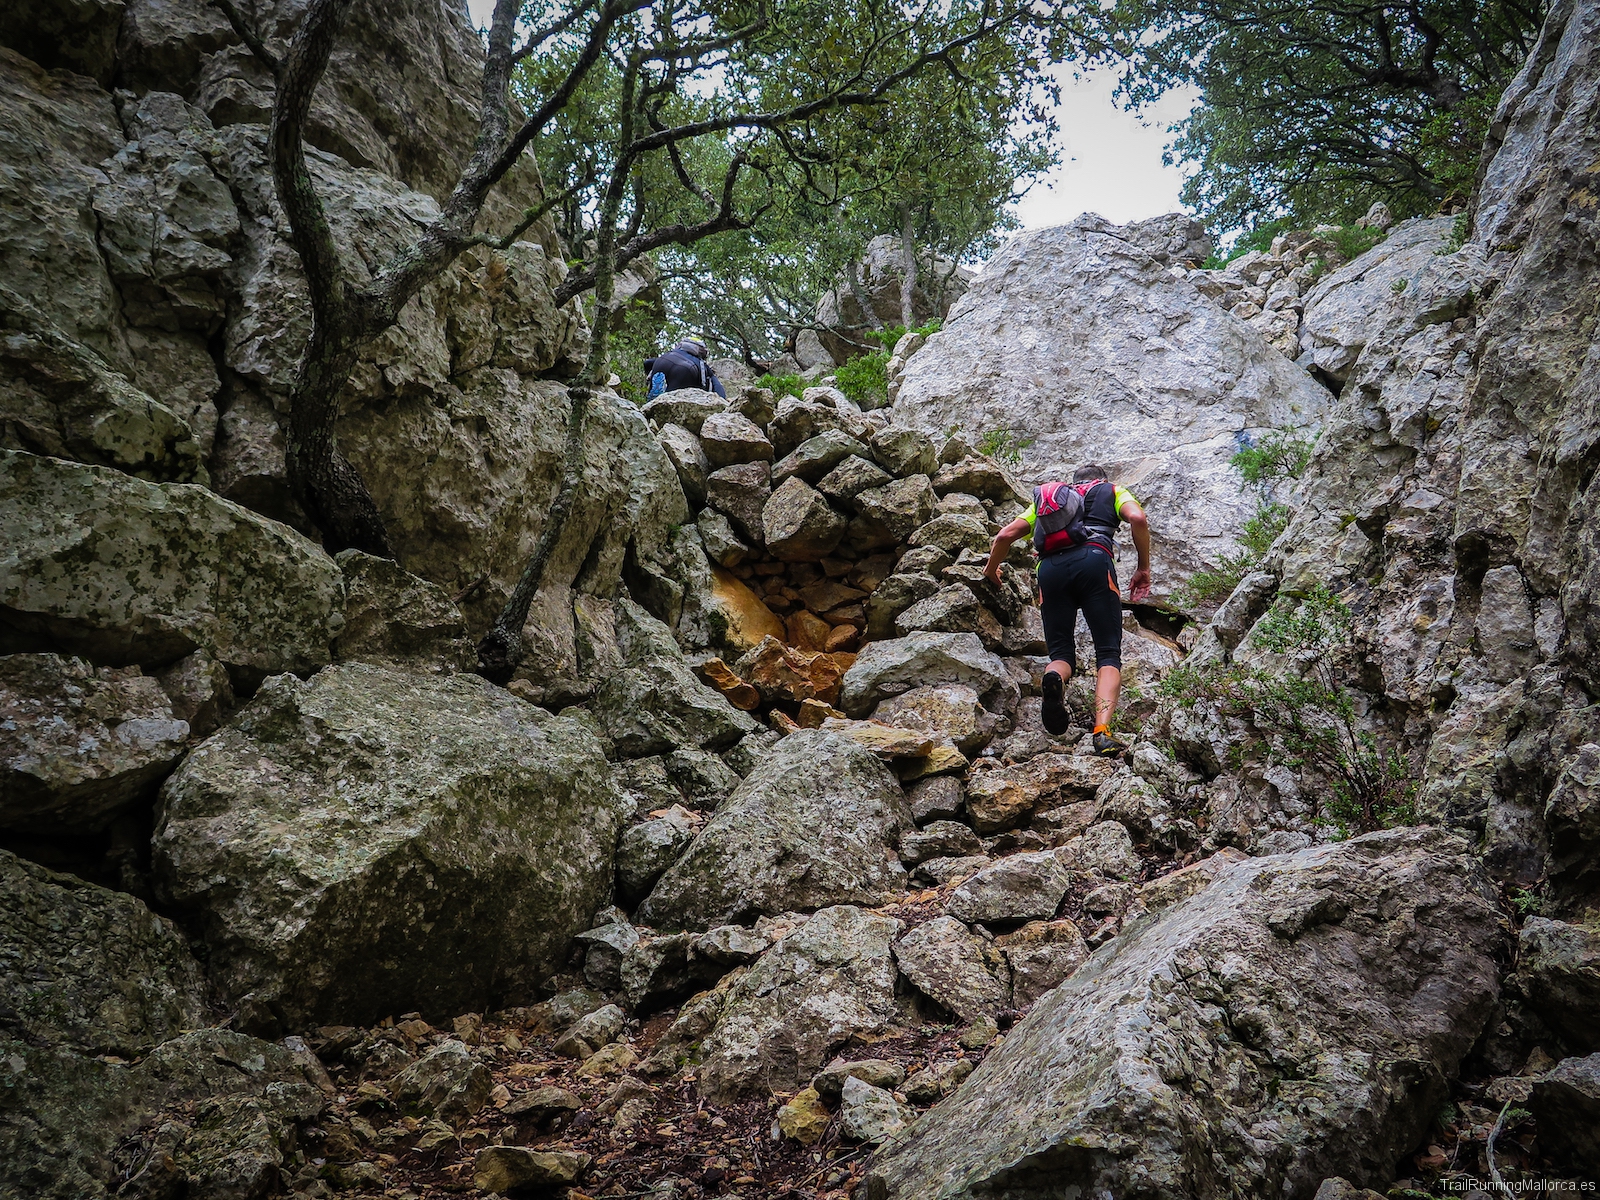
(1294, 1021)
(814, 824)
(658, 705)
(125, 571)
(1088, 348)
(891, 667)
(372, 841)
(79, 743)
(90, 969)
(1560, 968)
(831, 980)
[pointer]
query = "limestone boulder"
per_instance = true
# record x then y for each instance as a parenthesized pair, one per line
(950, 710)
(1087, 348)
(958, 970)
(849, 479)
(1000, 795)
(938, 839)
(829, 981)
(798, 525)
(892, 597)
(815, 824)
(1021, 887)
(78, 744)
(952, 609)
(1560, 968)
(1566, 1103)
(688, 458)
(658, 705)
(447, 1082)
(741, 493)
(686, 408)
(901, 506)
(1041, 954)
(893, 667)
(125, 571)
(953, 533)
(817, 457)
(391, 616)
(902, 452)
(721, 544)
(649, 848)
(880, 283)
(445, 841)
(1329, 958)
(91, 970)
(871, 1114)
(979, 475)
(730, 437)
(798, 421)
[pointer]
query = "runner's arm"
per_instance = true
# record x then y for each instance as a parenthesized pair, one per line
(1001, 546)
(1139, 526)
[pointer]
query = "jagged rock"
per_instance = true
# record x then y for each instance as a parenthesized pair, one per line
(891, 668)
(1025, 635)
(936, 799)
(953, 533)
(541, 1103)
(1023, 887)
(935, 1083)
(720, 675)
(814, 824)
(688, 458)
(782, 673)
(804, 1118)
(870, 1114)
(648, 849)
(1000, 795)
(1566, 1102)
(937, 872)
(658, 705)
(798, 421)
(379, 772)
(798, 525)
(78, 744)
(904, 452)
(602, 961)
(1041, 954)
(704, 778)
(980, 476)
(730, 945)
(900, 506)
(72, 1112)
(1560, 968)
(738, 617)
(722, 545)
(499, 1169)
(757, 403)
(829, 981)
(741, 492)
(892, 597)
(938, 839)
(395, 618)
(1343, 1189)
(878, 1072)
(886, 741)
(730, 437)
(656, 970)
(1061, 321)
(950, 964)
(1133, 802)
(687, 408)
(90, 969)
(200, 691)
(1105, 849)
(1187, 881)
(849, 479)
(126, 571)
(817, 457)
(1346, 307)
(447, 1083)
(952, 609)
(1330, 955)
(828, 594)
(599, 1027)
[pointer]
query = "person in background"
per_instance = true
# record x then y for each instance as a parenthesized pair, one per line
(1074, 528)
(684, 366)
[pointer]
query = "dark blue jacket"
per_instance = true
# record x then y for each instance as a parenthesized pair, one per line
(684, 370)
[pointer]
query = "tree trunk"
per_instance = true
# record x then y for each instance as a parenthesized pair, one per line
(908, 286)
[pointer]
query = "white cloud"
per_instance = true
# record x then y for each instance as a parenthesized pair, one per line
(1111, 159)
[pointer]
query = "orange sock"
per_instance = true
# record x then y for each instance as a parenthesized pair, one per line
(1102, 729)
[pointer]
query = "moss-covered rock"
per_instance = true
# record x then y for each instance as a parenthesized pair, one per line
(373, 841)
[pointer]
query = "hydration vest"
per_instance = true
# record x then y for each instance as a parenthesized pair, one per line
(1062, 519)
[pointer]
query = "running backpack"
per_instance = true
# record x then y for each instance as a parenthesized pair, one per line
(1059, 516)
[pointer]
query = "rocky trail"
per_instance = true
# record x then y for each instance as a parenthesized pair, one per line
(761, 876)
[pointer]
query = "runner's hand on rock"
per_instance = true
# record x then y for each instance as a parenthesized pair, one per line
(1139, 586)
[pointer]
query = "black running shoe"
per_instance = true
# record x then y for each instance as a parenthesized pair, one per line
(1106, 746)
(1054, 709)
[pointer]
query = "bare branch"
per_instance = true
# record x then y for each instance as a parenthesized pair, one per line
(248, 36)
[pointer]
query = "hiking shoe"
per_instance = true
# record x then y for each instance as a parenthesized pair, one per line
(1107, 746)
(1053, 710)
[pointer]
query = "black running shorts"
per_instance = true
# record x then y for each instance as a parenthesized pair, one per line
(1083, 579)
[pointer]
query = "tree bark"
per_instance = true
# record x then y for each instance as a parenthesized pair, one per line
(908, 285)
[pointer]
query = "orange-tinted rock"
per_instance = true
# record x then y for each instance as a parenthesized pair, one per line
(807, 631)
(748, 619)
(886, 741)
(719, 675)
(813, 713)
(784, 673)
(842, 637)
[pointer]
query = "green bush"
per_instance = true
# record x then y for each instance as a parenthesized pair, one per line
(1003, 445)
(865, 380)
(1280, 454)
(783, 385)
(1303, 719)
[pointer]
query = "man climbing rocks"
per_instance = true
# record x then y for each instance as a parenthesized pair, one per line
(684, 366)
(1074, 527)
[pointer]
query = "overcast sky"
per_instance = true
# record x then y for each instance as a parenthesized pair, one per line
(1111, 160)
